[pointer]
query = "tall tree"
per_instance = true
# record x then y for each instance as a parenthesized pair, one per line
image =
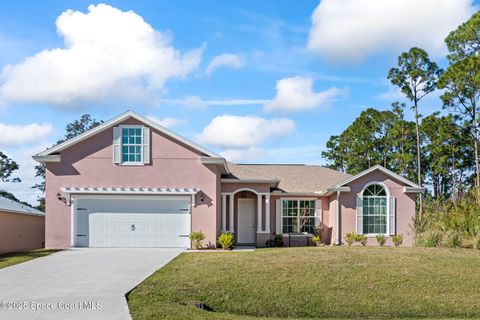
(461, 81)
(7, 168)
(375, 137)
(416, 76)
(73, 129)
(403, 142)
(444, 152)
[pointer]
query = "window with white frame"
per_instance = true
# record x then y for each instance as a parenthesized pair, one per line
(298, 216)
(375, 210)
(132, 144)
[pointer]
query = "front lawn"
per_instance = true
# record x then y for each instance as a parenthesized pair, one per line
(10, 259)
(315, 282)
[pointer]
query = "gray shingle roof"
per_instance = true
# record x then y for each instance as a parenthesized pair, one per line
(294, 178)
(16, 207)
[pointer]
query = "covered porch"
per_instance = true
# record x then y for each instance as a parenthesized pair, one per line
(246, 214)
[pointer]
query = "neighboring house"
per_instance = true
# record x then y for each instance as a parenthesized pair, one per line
(22, 228)
(132, 183)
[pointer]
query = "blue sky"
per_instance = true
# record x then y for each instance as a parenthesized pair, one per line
(257, 81)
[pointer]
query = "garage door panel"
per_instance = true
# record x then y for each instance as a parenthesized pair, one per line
(159, 223)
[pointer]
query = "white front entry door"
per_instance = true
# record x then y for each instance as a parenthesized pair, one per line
(133, 222)
(246, 220)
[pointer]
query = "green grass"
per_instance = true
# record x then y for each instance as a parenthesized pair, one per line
(316, 282)
(10, 259)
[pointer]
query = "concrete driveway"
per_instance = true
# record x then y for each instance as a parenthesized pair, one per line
(78, 283)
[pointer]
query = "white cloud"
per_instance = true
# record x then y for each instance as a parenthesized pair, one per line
(249, 154)
(14, 135)
(108, 53)
(348, 31)
(167, 122)
(26, 172)
(297, 93)
(225, 60)
(244, 131)
(196, 102)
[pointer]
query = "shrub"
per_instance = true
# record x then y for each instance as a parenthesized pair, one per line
(454, 239)
(226, 240)
(278, 240)
(316, 239)
(350, 238)
(197, 237)
(381, 239)
(429, 239)
(361, 238)
(397, 239)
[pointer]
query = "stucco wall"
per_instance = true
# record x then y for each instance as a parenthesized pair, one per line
(21, 232)
(405, 206)
(90, 163)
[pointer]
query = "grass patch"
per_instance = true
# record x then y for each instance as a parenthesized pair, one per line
(10, 259)
(325, 282)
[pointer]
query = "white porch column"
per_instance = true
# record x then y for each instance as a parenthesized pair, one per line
(224, 212)
(267, 213)
(259, 212)
(232, 199)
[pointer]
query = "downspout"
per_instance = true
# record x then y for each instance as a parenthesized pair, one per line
(337, 225)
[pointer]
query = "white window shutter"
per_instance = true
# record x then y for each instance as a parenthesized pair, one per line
(117, 145)
(318, 213)
(278, 216)
(359, 215)
(392, 216)
(146, 145)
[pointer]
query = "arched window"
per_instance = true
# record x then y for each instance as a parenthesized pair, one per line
(375, 209)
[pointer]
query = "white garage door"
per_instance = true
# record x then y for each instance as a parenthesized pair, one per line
(133, 222)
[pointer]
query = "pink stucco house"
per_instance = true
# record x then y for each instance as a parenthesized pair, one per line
(132, 183)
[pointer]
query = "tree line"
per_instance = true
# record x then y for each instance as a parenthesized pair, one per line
(438, 151)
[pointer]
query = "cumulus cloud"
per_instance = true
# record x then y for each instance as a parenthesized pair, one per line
(107, 53)
(348, 31)
(225, 60)
(294, 94)
(244, 131)
(14, 135)
(167, 122)
(249, 154)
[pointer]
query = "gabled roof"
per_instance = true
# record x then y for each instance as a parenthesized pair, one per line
(16, 207)
(291, 178)
(389, 173)
(110, 123)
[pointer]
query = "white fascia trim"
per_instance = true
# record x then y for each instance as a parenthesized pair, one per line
(382, 169)
(218, 161)
(48, 158)
(249, 181)
(413, 190)
(331, 191)
(297, 194)
(23, 212)
(119, 119)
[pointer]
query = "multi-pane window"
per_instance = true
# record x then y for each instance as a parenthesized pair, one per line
(132, 140)
(298, 216)
(375, 213)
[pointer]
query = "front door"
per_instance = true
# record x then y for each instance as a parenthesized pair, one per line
(246, 220)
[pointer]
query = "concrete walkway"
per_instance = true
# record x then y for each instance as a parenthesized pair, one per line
(78, 283)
